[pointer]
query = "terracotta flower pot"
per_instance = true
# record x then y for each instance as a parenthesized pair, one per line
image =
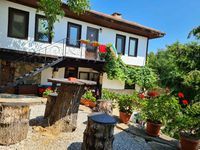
(84, 41)
(124, 117)
(189, 143)
(92, 104)
(153, 129)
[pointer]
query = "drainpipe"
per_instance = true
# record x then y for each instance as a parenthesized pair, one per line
(147, 49)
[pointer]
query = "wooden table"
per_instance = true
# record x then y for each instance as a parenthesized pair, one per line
(65, 108)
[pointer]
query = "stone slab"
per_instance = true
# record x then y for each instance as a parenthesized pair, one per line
(23, 99)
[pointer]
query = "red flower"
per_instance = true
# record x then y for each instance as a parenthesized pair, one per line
(180, 95)
(141, 95)
(49, 88)
(153, 94)
(102, 49)
(41, 90)
(185, 102)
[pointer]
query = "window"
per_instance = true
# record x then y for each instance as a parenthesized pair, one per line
(18, 23)
(89, 76)
(133, 45)
(92, 35)
(120, 44)
(73, 35)
(41, 29)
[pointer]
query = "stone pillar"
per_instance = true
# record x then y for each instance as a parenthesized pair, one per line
(98, 134)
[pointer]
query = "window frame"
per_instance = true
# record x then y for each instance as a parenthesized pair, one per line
(87, 35)
(124, 45)
(136, 47)
(11, 12)
(37, 17)
(78, 34)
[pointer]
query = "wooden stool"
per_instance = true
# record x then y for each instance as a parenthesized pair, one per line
(98, 134)
(14, 122)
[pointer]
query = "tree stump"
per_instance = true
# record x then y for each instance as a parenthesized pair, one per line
(104, 106)
(65, 110)
(14, 122)
(51, 100)
(98, 134)
(64, 113)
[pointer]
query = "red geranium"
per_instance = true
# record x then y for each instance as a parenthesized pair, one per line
(180, 95)
(41, 90)
(102, 49)
(153, 93)
(141, 95)
(185, 102)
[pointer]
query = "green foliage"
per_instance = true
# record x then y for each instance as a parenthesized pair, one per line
(115, 68)
(128, 103)
(88, 95)
(189, 120)
(192, 80)
(78, 6)
(195, 32)
(53, 10)
(175, 65)
(47, 92)
(145, 77)
(161, 109)
(107, 95)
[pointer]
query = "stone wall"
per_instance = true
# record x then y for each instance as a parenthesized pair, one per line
(21, 68)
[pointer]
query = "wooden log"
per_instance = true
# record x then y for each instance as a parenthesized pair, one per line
(65, 110)
(14, 122)
(51, 100)
(104, 106)
(98, 134)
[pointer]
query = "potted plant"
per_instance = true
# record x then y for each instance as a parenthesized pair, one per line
(84, 41)
(127, 103)
(88, 99)
(47, 92)
(189, 126)
(159, 110)
(95, 43)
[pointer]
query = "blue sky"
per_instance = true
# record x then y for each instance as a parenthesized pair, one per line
(174, 17)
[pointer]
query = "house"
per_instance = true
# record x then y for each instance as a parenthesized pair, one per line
(28, 55)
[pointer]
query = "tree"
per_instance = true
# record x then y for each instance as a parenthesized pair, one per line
(53, 9)
(195, 32)
(178, 67)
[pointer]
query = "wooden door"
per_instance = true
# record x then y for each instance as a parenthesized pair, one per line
(92, 35)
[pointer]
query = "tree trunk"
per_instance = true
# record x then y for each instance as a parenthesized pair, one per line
(14, 123)
(98, 136)
(51, 100)
(64, 112)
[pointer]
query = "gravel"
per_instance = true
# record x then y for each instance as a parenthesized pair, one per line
(71, 141)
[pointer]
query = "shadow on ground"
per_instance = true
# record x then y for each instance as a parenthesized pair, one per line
(75, 146)
(39, 121)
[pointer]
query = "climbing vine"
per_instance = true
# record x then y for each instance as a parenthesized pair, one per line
(117, 69)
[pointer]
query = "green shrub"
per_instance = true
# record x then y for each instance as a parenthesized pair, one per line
(88, 95)
(161, 109)
(128, 103)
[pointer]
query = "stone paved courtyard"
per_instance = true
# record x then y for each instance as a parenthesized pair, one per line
(41, 139)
